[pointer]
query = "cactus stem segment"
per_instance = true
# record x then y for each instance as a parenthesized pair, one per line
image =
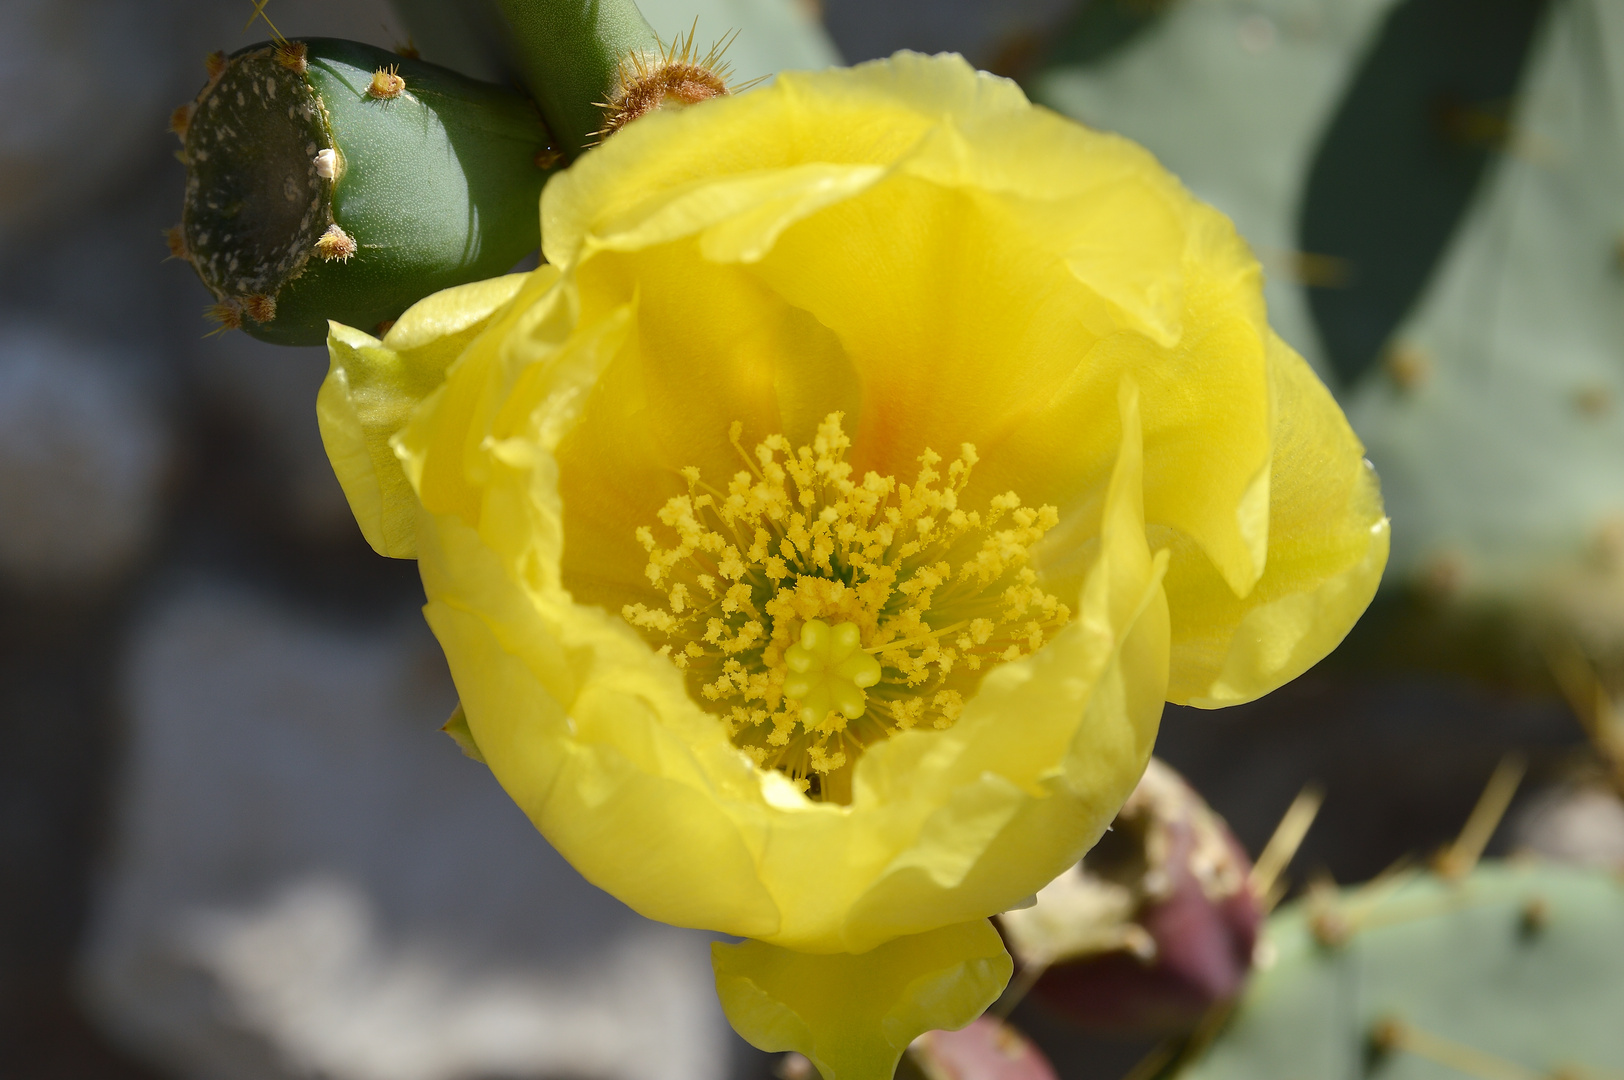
(251, 140)
(386, 83)
(670, 76)
(571, 53)
(290, 158)
(335, 243)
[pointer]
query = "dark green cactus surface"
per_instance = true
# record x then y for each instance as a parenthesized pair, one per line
(418, 181)
(1515, 971)
(570, 52)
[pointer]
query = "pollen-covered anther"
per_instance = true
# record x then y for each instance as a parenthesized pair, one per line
(335, 243)
(817, 614)
(386, 83)
(669, 77)
(293, 55)
(260, 307)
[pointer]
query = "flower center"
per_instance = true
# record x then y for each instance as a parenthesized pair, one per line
(828, 672)
(816, 614)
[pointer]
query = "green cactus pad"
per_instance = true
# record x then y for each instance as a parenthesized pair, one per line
(1497, 423)
(1519, 967)
(570, 52)
(436, 184)
(1395, 170)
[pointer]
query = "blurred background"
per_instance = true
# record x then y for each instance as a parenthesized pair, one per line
(233, 842)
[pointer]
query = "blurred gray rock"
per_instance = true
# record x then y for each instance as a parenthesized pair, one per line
(267, 394)
(308, 879)
(1582, 824)
(80, 78)
(82, 462)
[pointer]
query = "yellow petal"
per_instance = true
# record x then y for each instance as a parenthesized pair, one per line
(1088, 706)
(442, 460)
(932, 220)
(1328, 540)
(912, 245)
(670, 396)
(853, 1016)
(372, 387)
(921, 330)
(440, 325)
(634, 804)
(596, 738)
(862, 116)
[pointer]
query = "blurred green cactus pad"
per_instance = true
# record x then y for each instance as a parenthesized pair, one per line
(1517, 970)
(1497, 416)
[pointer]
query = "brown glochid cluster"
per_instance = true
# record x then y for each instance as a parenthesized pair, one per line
(335, 243)
(293, 55)
(260, 307)
(227, 314)
(673, 75)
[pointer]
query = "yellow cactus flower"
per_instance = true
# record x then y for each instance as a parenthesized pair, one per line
(815, 541)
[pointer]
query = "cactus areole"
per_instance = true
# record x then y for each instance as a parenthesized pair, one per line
(311, 196)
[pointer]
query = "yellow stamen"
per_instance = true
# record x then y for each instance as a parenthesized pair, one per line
(817, 613)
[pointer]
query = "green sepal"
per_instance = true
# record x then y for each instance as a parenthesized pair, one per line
(457, 728)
